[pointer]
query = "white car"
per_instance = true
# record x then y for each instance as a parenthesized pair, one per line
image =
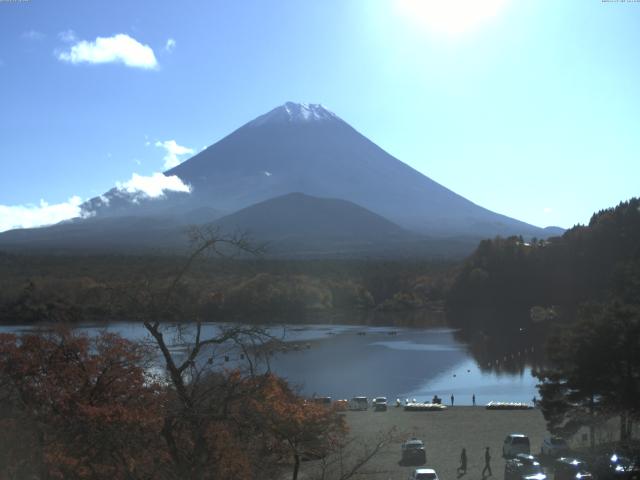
(423, 474)
(514, 444)
(380, 404)
(554, 447)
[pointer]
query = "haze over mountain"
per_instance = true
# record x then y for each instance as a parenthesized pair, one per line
(308, 150)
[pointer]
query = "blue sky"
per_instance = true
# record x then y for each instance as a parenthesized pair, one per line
(529, 108)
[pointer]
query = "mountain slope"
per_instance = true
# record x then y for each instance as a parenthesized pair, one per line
(135, 234)
(307, 149)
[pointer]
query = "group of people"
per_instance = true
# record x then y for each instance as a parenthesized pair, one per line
(462, 469)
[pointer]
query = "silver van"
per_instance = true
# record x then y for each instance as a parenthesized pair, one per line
(359, 403)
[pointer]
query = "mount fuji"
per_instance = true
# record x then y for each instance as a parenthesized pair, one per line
(306, 149)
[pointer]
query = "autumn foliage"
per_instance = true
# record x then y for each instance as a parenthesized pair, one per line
(74, 407)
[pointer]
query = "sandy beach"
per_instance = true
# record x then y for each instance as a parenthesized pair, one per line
(444, 434)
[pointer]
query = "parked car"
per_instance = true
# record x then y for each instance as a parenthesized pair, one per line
(523, 467)
(566, 468)
(514, 444)
(359, 403)
(380, 404)
(614, 466)
(413, 452)
(554, 447)
(423, 474)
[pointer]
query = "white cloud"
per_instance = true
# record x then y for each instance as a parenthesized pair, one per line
(33, 35)
(173, 151)
(68, 36)
(153, 186)
(119, 48)
(170, 46)
(28, 216)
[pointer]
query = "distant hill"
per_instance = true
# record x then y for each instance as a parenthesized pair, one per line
(300, 216)
(596, 262)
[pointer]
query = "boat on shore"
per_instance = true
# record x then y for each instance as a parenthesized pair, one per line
(508, 406)
(424, 407)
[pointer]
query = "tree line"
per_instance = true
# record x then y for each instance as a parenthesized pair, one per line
(596, 262)
(67, 288)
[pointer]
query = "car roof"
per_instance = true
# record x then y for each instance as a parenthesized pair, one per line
(570, 461)
(517, 435)
(526, 457)
(425, 470)
(414, 441)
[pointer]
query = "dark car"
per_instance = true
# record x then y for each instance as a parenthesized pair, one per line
(325, 401)
(566, 468)
(523, 467)
(514, 444)
(413, 452)
(614, 466)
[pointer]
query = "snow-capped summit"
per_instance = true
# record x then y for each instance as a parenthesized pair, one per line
(292, 112)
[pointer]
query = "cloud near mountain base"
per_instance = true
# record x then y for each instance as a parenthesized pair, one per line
(44, 214)
(29, 216)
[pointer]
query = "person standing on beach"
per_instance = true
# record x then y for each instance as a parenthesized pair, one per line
(463, 462)
(473, 399)
(487, 463)
(452, 399)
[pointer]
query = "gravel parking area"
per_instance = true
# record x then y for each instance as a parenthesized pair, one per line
(444, 434)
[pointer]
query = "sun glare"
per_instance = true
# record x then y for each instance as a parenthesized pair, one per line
(450, 16)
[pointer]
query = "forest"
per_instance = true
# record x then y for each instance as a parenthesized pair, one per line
(63, 288)
(592, 263)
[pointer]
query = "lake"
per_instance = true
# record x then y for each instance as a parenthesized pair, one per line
(341, 361)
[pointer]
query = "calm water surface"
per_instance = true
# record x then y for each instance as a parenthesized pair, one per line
(342, 361)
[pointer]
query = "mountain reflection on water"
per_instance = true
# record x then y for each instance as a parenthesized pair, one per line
(398, 355)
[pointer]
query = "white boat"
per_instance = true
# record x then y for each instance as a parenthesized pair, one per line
(508, 406)
(424, 407)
